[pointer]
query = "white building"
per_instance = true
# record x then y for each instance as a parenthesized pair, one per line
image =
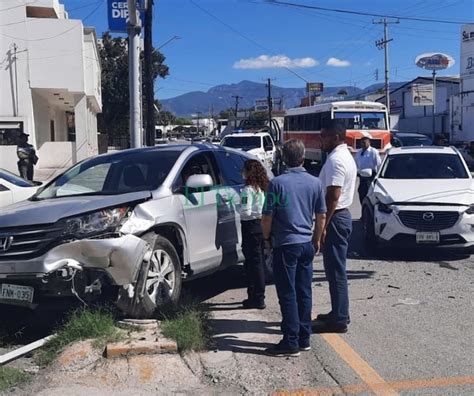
(462, 104)
(51, 84)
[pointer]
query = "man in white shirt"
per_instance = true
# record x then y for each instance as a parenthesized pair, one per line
(366, 158)
(338, 177)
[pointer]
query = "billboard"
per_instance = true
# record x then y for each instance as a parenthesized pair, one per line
(467, 52)
(434, 61)
(422, 94)
(262, 104)
(315, 87)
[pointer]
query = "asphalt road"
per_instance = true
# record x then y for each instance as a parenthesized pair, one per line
(412, 329)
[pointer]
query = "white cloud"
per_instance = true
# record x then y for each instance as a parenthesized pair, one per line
(274, 62)
(337, 62)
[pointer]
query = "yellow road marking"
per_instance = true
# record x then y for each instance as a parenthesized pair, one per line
(398, 385)
(373, 380)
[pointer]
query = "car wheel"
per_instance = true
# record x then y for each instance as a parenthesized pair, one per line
(370, 240)
(159, 281)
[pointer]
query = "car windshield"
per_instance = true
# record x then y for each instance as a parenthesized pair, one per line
(415, 140)
(245, 143)
(362, 120)
(423, 166)
(14, 179)
(114, 174)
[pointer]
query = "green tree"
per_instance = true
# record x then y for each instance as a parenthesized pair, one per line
(113, 53)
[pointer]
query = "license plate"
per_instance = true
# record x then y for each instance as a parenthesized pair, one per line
(427, 237)
(17, 293)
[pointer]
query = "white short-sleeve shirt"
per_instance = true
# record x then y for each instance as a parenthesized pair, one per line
(340, 170)
(368, 159)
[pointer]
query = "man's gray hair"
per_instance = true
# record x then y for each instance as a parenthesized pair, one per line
(293, 153)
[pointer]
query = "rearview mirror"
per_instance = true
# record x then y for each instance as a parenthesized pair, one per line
(199, 181)
(365, 173)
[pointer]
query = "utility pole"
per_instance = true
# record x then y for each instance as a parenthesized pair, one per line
(237, 99)
(383, 44)
(270, 103)
(197, 123)
(134, 29)
(149, 89)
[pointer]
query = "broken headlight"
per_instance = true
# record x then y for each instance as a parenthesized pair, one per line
(100, 222)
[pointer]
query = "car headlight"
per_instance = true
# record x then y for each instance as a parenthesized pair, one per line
(384, 208)
(102, 221)
(470, 210)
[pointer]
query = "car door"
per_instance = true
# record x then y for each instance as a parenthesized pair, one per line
(269, 148)
(200, 212)
(231, 166)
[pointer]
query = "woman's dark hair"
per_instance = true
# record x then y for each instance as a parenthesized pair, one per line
(256, 175)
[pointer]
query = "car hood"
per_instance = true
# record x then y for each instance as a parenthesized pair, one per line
(49, 211)
(255, 151)
(445, 191)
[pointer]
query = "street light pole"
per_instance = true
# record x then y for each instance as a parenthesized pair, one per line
(237, 98)
(134, 29)
(434, 103)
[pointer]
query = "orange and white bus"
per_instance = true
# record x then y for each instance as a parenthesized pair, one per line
(360, 118)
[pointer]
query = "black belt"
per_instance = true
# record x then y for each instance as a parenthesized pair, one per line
(340, 210)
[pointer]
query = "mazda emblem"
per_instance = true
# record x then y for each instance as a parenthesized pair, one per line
(428, 216)
(6, 243)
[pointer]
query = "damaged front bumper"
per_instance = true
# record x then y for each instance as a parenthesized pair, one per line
(120, 258)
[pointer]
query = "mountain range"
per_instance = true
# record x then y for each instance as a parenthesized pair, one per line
(219, 98)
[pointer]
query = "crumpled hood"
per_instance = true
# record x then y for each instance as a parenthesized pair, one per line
(49, 211)
(445, 191)
(257, 152)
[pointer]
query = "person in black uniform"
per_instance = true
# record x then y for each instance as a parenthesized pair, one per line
(27, 158)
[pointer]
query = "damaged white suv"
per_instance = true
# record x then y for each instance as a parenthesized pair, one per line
(128, 226)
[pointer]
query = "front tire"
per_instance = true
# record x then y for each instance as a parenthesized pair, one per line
(159, 281)
(370, 239)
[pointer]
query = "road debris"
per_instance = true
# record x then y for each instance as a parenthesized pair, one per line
(18, 353)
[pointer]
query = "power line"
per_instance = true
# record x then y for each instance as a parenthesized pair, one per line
(352, 12)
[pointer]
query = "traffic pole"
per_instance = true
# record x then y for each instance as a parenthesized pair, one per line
(134, 29)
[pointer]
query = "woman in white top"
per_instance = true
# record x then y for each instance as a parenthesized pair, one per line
(252, 201)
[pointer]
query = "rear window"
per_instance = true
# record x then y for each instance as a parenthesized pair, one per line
(423, 166)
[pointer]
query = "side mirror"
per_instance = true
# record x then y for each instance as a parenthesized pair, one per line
(365, 173)
(199, 181)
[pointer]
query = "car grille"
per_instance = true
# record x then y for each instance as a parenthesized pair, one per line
(428, 221)
(27, 242)
(375, 143)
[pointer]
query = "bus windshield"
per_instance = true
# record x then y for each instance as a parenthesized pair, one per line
(362, 120)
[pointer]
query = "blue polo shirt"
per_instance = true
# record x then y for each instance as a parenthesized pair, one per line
(292, 200)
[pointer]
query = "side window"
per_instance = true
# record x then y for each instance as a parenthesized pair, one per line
(267, 142)
(231, 165)
(199, 164)
(3, 188)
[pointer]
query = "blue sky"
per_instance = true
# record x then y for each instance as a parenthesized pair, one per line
(209, 52)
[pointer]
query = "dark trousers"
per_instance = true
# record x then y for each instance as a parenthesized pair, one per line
(335, 253)
(252, 247)
(293, 273)
(25, 168)
(364, 185)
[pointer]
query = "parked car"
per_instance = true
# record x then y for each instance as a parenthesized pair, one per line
(129, 225)
(404, 139)
(14, 189)
(259, 144)
(421, 197)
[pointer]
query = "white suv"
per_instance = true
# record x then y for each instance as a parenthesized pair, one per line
(259, 144)
(421, 197)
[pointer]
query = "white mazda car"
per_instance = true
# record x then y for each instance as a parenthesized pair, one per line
(15, 189)
(421, 197)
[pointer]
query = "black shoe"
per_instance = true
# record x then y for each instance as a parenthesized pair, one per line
(252, 304)
(305, 345)
(280, 350)
(328, 317)
(320, 327)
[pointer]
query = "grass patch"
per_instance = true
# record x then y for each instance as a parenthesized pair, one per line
(82, 324)
(10, 377)
(187, 323)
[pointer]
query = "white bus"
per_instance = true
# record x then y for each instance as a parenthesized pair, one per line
(360, 118)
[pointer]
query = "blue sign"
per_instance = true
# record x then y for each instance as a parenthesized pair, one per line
(117, 11)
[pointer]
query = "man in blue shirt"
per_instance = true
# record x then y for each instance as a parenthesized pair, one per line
(293, 200)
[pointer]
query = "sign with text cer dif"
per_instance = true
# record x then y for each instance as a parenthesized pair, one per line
(117, 12)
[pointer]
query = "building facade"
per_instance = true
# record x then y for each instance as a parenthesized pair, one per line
(51, 84)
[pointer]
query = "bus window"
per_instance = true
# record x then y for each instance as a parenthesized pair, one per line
(362, 120)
